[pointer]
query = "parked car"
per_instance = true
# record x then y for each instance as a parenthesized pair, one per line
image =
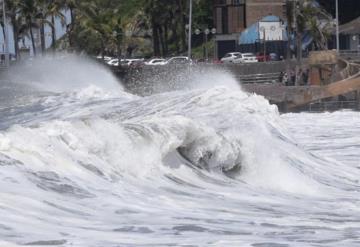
(136, 62)
(246, 58)
(230, 57)
(155, 61)
(274, 57)
(132, 62)
(177, 60)
(113, 62)
(106, 58)
(125, 62)
(262, 58)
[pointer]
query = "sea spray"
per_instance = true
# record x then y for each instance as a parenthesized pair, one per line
(159, 79)
(64, 72)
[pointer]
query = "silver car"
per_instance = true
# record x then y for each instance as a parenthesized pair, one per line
(230, 57)
(246, 58)
(178, 60)
(155, 61)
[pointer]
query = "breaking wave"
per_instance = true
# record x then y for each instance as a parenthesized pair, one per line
(207, 166)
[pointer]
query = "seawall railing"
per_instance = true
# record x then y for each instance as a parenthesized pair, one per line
(333, 106)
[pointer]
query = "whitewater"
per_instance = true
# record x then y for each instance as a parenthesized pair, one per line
(84, 162)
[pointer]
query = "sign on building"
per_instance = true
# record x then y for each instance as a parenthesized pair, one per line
(272, 30)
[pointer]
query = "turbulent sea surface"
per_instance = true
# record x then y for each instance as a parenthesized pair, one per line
(206, 166)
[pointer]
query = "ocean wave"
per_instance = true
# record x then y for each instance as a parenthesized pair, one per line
(93, 169)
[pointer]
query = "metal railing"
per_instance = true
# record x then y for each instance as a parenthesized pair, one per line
(3, 67)
(260, 78)
(350, 54)
(334, 106)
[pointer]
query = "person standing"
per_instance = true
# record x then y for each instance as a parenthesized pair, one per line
(299, 77)
(305, 77)
(281, 77)
(292, 78)
(286, 79)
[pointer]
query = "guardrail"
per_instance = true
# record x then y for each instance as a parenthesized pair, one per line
(3, 67)
(350, 54)
(260, 78)
(333, 106)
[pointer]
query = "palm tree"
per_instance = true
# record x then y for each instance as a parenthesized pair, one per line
(27, 10)
(70, 5)
(49, 9)
(11, 13)
(306, 16)
(96, 22)
(41, 6)
(309, 16)
(318, 22)
(153, 9)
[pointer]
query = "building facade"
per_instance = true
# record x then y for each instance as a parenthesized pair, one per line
(231, 17)
(257, 9)
(349, 36)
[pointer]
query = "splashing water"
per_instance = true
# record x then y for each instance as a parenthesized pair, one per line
(64, 73)
(199, 166)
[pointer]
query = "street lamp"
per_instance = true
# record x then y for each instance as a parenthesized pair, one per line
(206, 32)
(190, 24)
(6, 41)
(337, 26)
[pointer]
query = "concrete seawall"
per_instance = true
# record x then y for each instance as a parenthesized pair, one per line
(145, 79)
(148, 80)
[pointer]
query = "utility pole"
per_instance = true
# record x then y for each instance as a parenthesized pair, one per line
(206, 32)
(190, 29)
(298, 37)
(265, 60)
(337, 27)
(6, 44)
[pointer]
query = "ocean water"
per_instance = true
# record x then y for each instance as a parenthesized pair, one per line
(203, 166)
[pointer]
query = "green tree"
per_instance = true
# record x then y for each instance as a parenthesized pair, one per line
(11, 14)
(95, 20)
(54, 10)
(27, 11)
(70, 5)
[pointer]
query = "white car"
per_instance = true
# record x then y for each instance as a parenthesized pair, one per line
(155, 61)
(177, 60)
(106, 58)
(125, 62)
(246, 58)
(230, 57)
(131, 62)
(113, 62)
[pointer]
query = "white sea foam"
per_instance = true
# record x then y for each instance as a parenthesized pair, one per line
(209, 166)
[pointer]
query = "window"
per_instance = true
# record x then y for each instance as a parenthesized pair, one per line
(220, 2)
(238, 2)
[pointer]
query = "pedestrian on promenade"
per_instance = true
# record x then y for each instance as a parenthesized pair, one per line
(281, 77)
(305, 77)
(299, 77)
(292, 78)
(286, 79)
